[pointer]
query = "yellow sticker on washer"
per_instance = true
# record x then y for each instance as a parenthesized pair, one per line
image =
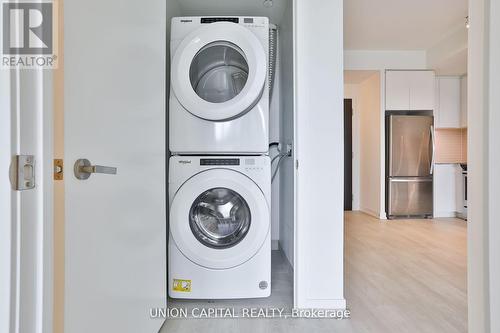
(182, 285)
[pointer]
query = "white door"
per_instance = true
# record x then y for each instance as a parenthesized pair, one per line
(115, 224)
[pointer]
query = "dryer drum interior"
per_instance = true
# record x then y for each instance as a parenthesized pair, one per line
(219, 72)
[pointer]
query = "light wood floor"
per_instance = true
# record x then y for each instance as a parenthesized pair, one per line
(406, 275)
(400, 276)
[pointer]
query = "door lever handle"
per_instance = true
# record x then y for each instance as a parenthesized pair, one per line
(83, 169)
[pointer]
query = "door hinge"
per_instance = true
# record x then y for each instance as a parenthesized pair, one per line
(22, 172)
(297, 164)
(58, 169)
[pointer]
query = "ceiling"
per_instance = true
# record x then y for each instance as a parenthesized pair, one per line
(400, 24)
(234, 7)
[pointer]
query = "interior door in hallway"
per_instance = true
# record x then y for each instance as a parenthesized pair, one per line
(348, 154)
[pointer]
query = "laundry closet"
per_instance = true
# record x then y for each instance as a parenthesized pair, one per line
(231, 166)
(118, 112)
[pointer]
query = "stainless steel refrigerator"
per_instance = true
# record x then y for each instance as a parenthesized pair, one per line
(410, 165)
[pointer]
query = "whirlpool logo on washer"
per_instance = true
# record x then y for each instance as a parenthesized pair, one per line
(185, 161)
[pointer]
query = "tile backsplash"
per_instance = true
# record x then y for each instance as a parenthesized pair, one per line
(451, 145)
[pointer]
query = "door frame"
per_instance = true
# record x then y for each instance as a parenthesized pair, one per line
(483, 280)
(7, 213)
(28, 239)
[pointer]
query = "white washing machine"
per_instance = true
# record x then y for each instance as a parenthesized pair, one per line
(219, 95)
(219, 239)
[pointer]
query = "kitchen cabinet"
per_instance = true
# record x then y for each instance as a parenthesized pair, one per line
(463, 101)
(397, 90)
(447, 112)
(409, 90)
(445, 190)
(460, 191)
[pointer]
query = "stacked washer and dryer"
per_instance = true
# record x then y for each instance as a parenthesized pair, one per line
(219, 173)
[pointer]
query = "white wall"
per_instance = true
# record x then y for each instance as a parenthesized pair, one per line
(371, 142)
(319, 147)
(351, 92)
(371, 60)
(287, 171)
(449, 55)
(368, 145)
(494, 165)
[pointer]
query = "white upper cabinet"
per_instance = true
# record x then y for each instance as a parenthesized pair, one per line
(463, 101)
(447, 113)
(397, 90)
(422, 90)
(409, 90)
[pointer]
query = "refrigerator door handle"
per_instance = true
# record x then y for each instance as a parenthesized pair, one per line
(433, 149)
(410, 180)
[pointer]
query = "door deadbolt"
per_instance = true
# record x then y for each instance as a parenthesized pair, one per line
(83, 169)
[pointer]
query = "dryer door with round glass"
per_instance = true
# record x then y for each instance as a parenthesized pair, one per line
(219, 71)
(219, 219)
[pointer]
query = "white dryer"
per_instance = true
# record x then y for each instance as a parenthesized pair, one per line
(219, 98)
(219, 238)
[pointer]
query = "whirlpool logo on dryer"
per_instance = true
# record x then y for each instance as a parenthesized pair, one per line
(185, 161)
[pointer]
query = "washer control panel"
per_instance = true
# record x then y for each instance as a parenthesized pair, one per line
(249, 163)
(219, 161)
(220, 19)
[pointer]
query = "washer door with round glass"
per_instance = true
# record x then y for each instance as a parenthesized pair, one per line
(219, 71)
(219, 219)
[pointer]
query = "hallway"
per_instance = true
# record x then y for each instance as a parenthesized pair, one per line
(401, 276)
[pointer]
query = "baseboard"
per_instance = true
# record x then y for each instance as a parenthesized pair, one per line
(443, 214)
(275, 244)
(337, 304)
(370, 212)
